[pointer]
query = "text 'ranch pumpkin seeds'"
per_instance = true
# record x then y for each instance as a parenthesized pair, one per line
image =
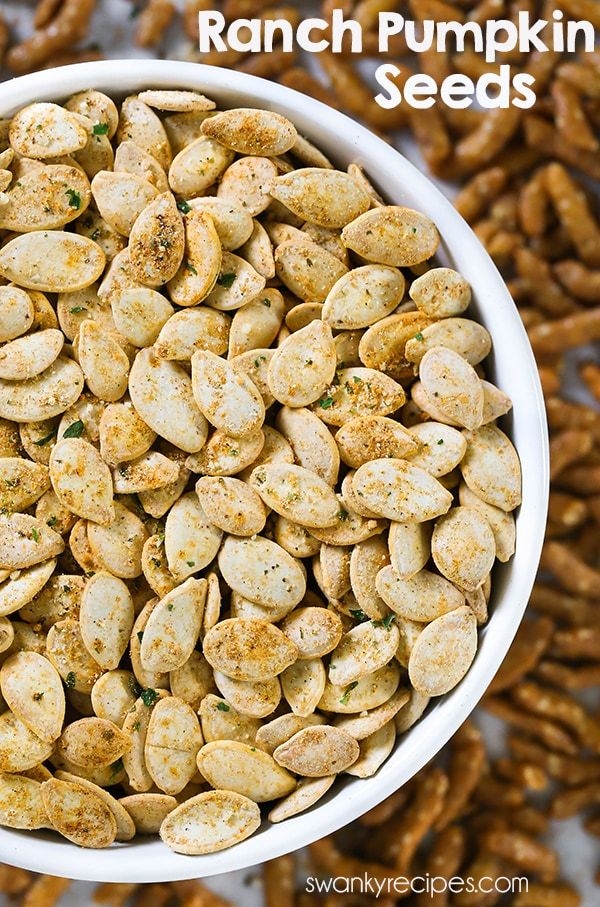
(252, 488)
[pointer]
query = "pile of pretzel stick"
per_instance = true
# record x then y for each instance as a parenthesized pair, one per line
(529, 188)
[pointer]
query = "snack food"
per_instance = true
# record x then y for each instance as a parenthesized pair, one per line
(179, 479)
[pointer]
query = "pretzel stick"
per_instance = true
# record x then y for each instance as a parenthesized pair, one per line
(530, 643)
(578, 280)
(46, 891)
(488, 9)
(581, 77)
(568, 803)
(560, 707)
(564, 768)
(114, 894)
(14, 880)
(590, 375)
(576, 643)
(244, 9)
(524, 851)
(190, 17)
(481, 146)
(549, 733)
(68, 58)
(328, 857)
(194, 894)
(553, 245)
(570, 571)
(418, 818)
(268, 65)
(467, 762)
(539, 895)
(45, 12)
(582, 9)
(565, 414)
(301, 80)
(69, 26)
(154, 895)
(153, 22)
(550, 380)
(544, 291)
(592, 825)
(567, 448)
(356, 96)
(443, 862)
(570, 678)
(567, 511)
(386, 809)
(485, 866)
(569, 332)
(571, 120)
(279, 881)
(533, 205)
(4, 38)
(573, 210)
(547, 141)
(462, 122)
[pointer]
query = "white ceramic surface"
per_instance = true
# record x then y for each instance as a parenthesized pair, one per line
(511, 366)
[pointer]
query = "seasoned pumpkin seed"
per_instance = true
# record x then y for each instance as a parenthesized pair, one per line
(52, 261)
(210, 822)
(250, 131)
(245, 769)
(392, 235)
(443, 653)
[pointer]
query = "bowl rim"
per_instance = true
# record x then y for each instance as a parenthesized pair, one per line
(152, 861)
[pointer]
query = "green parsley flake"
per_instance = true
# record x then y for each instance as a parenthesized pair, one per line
(46, 439)
(184, 207)
(347, 691)
(266, 302)
(358, 614)
(222, 706)
(226, 280)
(77, 309)
(326, 402)
(75, 430)
(101, 129)
(191, 268)
(149, 696)
(52, 521)
(35, 535)
(386, 622)
(70, 680)
(419, 336)
(74, 199)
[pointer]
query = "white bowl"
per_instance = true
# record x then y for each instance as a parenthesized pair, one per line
(512, 367)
